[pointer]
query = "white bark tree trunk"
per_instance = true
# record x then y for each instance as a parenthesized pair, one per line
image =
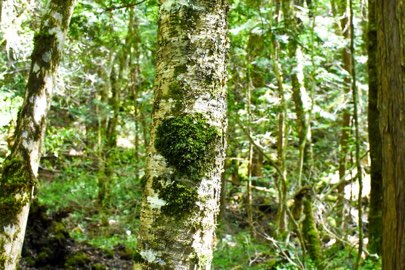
(187, 151)
(20, 169)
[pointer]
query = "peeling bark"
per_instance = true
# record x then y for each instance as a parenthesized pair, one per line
(19, 178)
(187, 151)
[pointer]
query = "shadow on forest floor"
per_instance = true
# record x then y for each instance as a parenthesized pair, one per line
(47, 245)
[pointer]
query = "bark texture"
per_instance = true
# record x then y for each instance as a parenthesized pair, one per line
(187, 151)
(20, 168)
(376, 195)
(391, 81)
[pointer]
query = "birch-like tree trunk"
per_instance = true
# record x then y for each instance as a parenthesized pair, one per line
(391, 103)
(20, 168)
(187, 151)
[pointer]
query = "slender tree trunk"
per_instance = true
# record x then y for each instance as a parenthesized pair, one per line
(301, 98)
(310, 233)
(102, 122)
(135, 89)
(359, 176)
(391, 93)
(109, 129)
(340, 9)
(376, 194)
(281, 143)
(303, 107)
(19, 178)
(1, 10)
(187, 151)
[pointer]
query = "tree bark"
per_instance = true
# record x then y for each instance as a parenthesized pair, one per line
(187, 151)
(391, 101)
(376, 194)
(20, 170)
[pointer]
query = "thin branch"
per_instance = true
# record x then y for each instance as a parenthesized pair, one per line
(271, 161)
(274, 242)
(124, 6)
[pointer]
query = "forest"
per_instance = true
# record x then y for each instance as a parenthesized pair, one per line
(202, 134)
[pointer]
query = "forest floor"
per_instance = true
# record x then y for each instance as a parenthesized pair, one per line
(48, 245)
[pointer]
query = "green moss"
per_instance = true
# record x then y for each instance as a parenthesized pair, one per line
(98, 266)
(311, 236)
(181, 198)
(58, 230)
(2, 257)
(137, 258)
(79, 259)
(17, 178)
(188, 144)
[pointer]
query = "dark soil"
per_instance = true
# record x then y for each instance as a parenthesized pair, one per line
(47, 245)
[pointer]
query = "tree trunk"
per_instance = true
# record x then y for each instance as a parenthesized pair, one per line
(303, 107)
(282, 142)
(20, 170)
(310, 233)
(376, 194)
(340, 9)
(391, 93)
(300, 96)
(187, 151)
(1, 10)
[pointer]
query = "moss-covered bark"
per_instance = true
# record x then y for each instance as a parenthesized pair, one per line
(186, 155)
(20, 168)
(310, 233)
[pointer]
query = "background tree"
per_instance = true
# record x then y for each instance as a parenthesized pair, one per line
(376, 194)
(20, 169)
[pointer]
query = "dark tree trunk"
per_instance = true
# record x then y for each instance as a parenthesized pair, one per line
(391, 89)
(376, 195)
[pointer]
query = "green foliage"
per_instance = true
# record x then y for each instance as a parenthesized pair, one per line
(240, 251)
(76, 188)
(188, 143)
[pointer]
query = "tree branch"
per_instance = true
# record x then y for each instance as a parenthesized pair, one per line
(124, 6)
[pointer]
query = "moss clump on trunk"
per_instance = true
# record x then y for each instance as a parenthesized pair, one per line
(16, 180)
(311, 235)
(188, 144)
(181, 199)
